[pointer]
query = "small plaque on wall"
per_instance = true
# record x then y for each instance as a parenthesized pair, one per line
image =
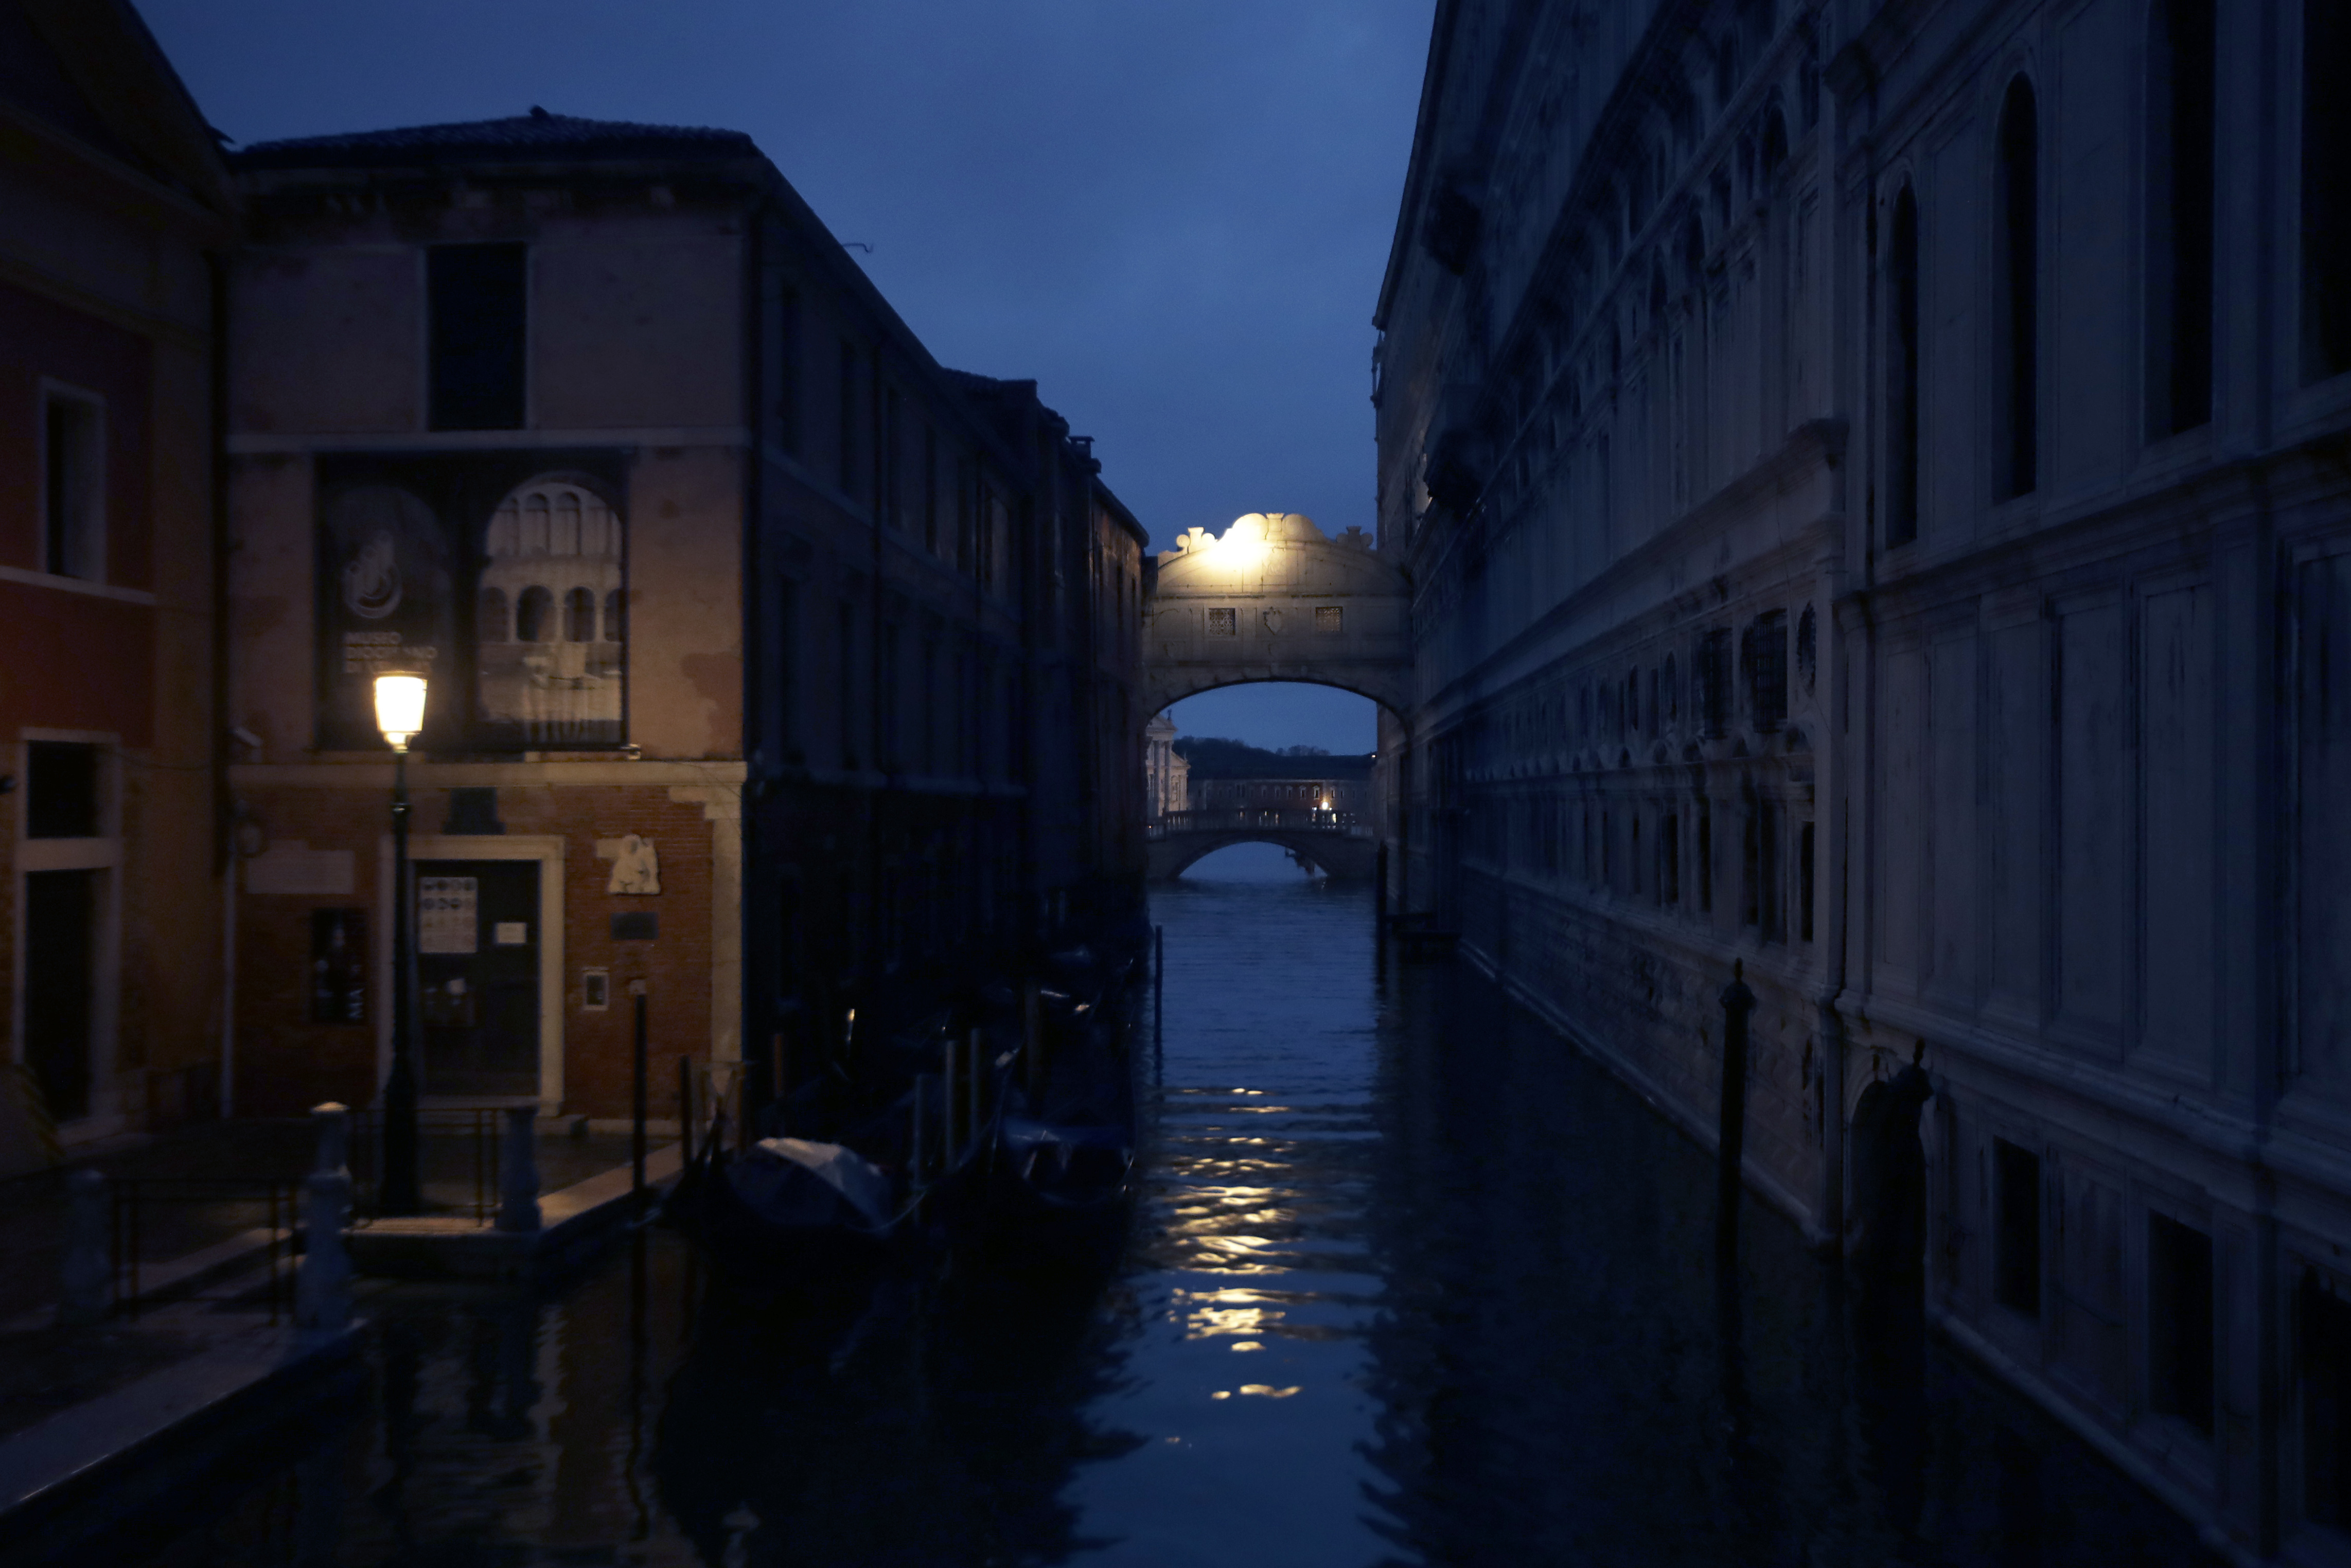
(634, 927)
(338, 966)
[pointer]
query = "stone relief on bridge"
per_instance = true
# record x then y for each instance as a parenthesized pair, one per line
(1275, 599)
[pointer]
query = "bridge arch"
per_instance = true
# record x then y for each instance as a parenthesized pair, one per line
(1275, 599)
(1343, 857)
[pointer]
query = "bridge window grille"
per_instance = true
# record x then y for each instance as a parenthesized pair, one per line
(1224, 624)
(1330, 619)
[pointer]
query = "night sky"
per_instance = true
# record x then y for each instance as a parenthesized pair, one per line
(1174, 216)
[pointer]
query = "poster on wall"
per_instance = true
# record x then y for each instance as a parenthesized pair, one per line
(448, 914)
(499, 576)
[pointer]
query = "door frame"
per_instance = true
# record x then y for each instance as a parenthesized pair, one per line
(547, 849)
(101, 853)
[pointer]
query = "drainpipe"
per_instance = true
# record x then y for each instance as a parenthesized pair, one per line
(224, 815)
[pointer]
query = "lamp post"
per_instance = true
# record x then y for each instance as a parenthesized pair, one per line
(400, 713)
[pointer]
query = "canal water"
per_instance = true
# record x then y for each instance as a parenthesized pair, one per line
(1413, 1282)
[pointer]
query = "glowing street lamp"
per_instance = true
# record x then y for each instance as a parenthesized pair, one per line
(400, 715)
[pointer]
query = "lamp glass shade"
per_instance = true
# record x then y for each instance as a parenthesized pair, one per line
(399, 708)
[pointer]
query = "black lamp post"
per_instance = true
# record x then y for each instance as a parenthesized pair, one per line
(400, 713)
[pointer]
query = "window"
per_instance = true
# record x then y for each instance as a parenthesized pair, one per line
(1669, 692)
(1902, 375)
(2016, 1238)
(1669, 859)
(931, 491)
(1767, 669)
(1224, 622)
(1330, 620)
(848, 419)
(847, 664)
(2018, 213)
(61, 789)
(476, 307)
(2323, 1331)
(1714, 680)
(1706, 859)
(894, 487)
(788, 371)
(580, 616)
(616, 616)
(535, 616)
(2179, 1321)
(1804, 881)
(2325, 190)
(73, 485)
(2179, 95)
(788, 663)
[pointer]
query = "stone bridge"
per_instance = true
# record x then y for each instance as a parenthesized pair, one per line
(1336, 843)
(1272, 599)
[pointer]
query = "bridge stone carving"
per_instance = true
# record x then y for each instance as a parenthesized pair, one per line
(1341, 848)
(1273, 599)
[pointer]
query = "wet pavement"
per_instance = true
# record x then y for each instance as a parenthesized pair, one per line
(1413, 1282)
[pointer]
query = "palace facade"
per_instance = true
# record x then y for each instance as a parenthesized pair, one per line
(1874, 481)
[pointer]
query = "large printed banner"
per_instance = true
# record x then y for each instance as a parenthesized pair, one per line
(498, 576)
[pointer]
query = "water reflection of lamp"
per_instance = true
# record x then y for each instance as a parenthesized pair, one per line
(400, 715)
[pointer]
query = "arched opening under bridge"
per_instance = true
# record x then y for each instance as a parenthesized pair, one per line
(1282, 768)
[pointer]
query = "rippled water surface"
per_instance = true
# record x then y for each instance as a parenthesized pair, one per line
(1413, 1282)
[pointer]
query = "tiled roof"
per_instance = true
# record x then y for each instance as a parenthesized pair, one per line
(533, 136)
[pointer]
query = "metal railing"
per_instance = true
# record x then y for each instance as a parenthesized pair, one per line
(132, 1200)
(1239, 819)
(467, 1137)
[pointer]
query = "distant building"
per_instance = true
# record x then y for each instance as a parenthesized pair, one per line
(1870, 480)
(113, 992)
(1167, 775)
(772, 665)
(1224, 776)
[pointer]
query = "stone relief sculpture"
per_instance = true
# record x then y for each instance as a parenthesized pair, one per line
(636, 865)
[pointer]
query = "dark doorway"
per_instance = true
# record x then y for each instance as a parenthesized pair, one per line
(477, 947)
(61, 986)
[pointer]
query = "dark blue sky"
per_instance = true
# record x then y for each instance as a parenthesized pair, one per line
(1174, 216)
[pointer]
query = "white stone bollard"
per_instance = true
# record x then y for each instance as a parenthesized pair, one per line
(333, 1122)
(322, 1292)
(519, 1171)
(90, 1263)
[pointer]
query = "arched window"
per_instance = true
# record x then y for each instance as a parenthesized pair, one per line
(535, 616)
(534, 523)
(563, 536)
(490, 622)
(1902, 373)
(2018, 213)
(580, 616)
(615, 616)
(1775, 148)
(2179, 97)
(1669, 694)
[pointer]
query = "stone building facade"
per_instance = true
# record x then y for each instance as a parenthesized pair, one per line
(113, 988)
(1873, 478)
(726, 592)
(1167, 775)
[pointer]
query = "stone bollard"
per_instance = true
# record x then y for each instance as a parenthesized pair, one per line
(519, 1171)
(90, 1262)
(333, 1122)
(322, 1292)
